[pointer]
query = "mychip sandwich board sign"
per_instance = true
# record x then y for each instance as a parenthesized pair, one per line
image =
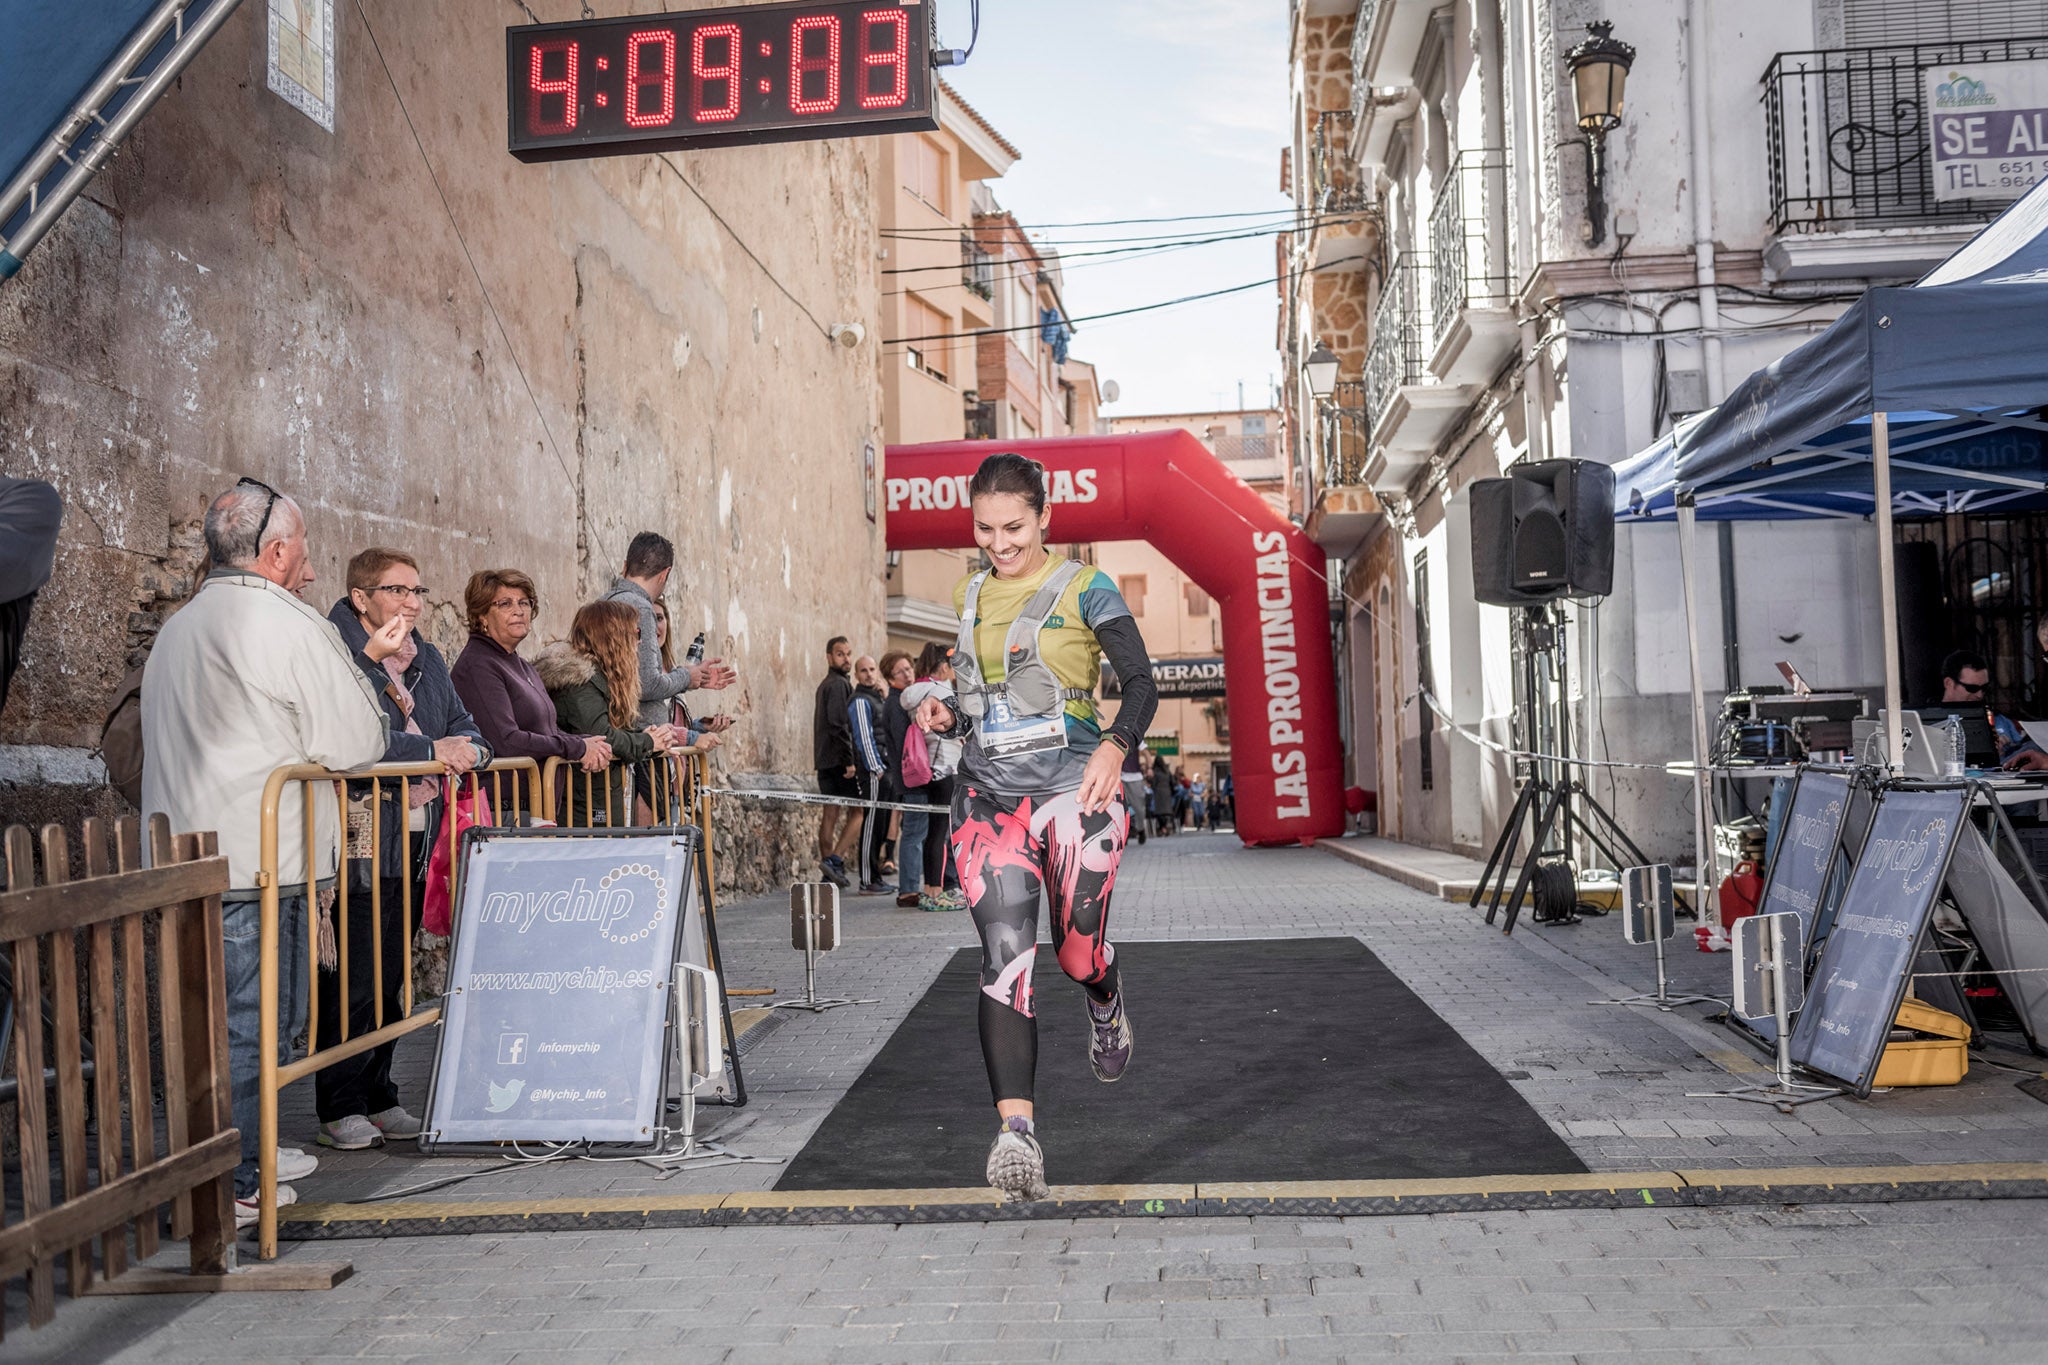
(1867, 960)
(560, 982)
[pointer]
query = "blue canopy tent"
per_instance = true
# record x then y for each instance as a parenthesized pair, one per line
(1917, 400)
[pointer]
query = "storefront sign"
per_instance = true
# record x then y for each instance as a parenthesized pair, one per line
(1192, 679)
(718, 77)
(1164, 746)
(558, 987)
(1988, 125)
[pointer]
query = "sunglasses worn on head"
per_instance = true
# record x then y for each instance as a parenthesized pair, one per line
(268, 507)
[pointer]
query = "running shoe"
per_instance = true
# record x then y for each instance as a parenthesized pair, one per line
(1016, 1163)
(835, 872)
(295, 1163)
(396, 1123)
(950, 900)
(247, 1211)
(1109, 1039)
(351, 1134)
(876, 889)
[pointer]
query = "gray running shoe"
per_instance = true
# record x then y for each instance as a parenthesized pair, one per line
(1109, 1039)
(1016, 1163)
(834, 869)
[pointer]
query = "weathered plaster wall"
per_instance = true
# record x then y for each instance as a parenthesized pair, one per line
(244, 293)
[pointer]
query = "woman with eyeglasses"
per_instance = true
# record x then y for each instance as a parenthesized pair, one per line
(510, 702)
(355, 1098)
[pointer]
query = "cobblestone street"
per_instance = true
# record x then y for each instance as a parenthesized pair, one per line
(1869, 1282)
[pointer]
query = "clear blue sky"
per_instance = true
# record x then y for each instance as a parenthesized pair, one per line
(1138, 109)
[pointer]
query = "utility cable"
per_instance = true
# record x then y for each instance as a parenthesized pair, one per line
(504, 334)
(1279, 224)
(741, 243)
(1120, 312)
(1164, 244)
(1133, 222)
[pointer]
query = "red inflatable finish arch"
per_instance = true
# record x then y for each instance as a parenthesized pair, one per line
(1266, 576)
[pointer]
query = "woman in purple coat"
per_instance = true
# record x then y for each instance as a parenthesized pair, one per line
(502, 691)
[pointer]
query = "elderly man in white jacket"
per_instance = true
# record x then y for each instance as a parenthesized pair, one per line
(246, 679)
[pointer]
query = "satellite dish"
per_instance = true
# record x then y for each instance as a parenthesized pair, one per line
(1110, 391)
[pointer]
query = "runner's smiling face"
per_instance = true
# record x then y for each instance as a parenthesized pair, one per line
(1010, 533)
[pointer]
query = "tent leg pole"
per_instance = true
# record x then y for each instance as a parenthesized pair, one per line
(1887, 588)
(1703, 778)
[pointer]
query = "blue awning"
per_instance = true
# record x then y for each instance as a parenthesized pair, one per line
(1960, 363)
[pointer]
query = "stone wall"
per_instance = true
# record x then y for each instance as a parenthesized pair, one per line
(436, 347)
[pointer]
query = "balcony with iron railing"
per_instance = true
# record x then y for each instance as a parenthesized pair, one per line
(1361, 45)
(1410, 408)
(1344, 428)
(1337, 184)
(1394, 355)
(1849, 156)
(977, 269)
(1472, 324)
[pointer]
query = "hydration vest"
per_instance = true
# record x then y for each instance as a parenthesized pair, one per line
(1029, 684)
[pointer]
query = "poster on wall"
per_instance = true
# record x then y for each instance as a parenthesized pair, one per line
(1988, 128)
(301, 57)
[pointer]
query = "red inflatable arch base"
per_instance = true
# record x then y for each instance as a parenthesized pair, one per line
(1165, 487)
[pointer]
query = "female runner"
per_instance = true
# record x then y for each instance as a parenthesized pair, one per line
(1038, 804)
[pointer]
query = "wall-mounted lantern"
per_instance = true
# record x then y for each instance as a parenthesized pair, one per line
(1599, 65)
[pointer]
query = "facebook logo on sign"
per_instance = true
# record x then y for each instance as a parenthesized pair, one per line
(511, 1049)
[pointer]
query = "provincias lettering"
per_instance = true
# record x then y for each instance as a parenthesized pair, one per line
(1279, 657)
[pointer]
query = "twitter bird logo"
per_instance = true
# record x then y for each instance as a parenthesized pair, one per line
(503, 1097)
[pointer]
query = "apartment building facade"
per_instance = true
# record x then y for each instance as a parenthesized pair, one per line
(975, 328)
(1488, 302)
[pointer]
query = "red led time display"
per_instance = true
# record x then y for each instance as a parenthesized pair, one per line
(738, 74)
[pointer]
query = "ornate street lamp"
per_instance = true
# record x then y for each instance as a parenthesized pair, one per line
(1599, 66)
(1321, 369)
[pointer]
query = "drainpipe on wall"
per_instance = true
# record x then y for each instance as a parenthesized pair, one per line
(1698, 90)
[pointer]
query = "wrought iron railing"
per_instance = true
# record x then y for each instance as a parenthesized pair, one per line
(977, 269)
(1846, 134)
(1393, 358)
(1346, 431)
(1468, 238)
(1361, 44)
(1338, 185)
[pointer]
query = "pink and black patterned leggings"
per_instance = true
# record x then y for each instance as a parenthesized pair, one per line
(1008, 850)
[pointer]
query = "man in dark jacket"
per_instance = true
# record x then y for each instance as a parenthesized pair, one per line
(29, 512)
(832, 755)
(355, 1099)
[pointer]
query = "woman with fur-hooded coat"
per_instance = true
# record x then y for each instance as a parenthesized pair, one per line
(594, 679)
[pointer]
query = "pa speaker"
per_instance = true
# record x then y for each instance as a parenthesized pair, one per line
(1543, 531)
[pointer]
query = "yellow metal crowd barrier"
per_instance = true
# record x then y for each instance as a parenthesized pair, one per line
(665, 791)
(516, 792)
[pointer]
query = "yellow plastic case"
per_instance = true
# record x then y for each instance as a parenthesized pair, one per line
(1943, 1059)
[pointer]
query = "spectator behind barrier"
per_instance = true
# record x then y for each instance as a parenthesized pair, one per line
(649, 560)
(704, 733)
(355, 1099)
(244, 680)
(29, 513)
(511, 704)
(594, 679)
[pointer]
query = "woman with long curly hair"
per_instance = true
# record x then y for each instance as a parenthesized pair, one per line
(594, 678)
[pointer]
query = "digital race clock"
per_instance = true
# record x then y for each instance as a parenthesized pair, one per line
(713, 77)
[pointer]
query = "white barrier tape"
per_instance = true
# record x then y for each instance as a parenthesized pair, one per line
(1668, 769)
(1987, 971)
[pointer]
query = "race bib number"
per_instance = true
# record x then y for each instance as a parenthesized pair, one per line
(1006, 735)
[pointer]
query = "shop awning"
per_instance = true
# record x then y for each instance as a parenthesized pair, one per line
(1959, 360)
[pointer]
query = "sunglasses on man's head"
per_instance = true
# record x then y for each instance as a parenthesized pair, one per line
(268, 508)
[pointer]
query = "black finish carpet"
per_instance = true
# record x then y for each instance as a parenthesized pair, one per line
(1255, 1059)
